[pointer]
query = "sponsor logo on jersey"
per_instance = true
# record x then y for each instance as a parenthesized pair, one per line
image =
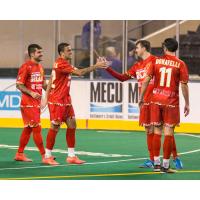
(36, 77)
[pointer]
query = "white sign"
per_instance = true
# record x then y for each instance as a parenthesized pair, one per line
(97, 100)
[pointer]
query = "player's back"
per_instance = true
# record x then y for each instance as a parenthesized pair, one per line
(168, 72)
(61, 80)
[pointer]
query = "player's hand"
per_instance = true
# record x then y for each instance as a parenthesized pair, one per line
(186, 110)
(140, 103)
(35, 95)
(101, 63)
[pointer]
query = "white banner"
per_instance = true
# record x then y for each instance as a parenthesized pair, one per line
(109, 100)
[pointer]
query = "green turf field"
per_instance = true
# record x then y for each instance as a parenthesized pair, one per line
(111, 155)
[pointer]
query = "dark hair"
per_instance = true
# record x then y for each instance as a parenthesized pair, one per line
(171, 44)
(32, 48)
(62, 46)
(131, 44)
(144, 43)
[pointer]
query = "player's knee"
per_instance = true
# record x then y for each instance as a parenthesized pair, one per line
(149, 130)
(55, 127)
(72, 126)
(168, 134)
(34, 124)
(168, 130)
(71, 123)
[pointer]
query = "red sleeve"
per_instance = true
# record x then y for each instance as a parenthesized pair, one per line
(22, 74)
(64, 68)
(184, 76)
(120, 77)
(132, 71)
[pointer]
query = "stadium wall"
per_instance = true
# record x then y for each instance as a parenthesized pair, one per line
(98, 105)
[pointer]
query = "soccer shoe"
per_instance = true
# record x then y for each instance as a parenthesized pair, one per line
(168, 170)
(147, 164)
(53, 157)
(74, 160)
(157, 168)
(177, 163)
(22, 157)
(49, 161)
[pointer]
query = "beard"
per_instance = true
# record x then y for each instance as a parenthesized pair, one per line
(38, 59)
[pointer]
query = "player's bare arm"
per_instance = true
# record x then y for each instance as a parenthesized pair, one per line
(145, 83)
(44, 86)
(45, 99)
(99, 64)
(23, 89)
(185, 92)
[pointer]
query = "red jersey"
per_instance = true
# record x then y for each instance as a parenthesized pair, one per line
(139, 71)
(31, 75)
(61, 80)
(168, 71)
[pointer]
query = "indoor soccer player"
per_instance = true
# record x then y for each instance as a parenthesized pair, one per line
(60, 104)
(168, 71)
(30, 81)
(138, 71)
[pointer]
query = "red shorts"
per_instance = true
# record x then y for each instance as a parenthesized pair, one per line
(59, 114)
(30, 115)
(165, 115)
(145, 117)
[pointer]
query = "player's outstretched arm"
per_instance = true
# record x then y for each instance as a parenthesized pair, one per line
(81, 72)
(120, 77)
(24, 89)
(185, 92)
(115, 74)
(145, 83)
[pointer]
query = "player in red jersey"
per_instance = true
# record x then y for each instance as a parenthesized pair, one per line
(138, 71)
(60, 104)
(168, 71)
(30, 81)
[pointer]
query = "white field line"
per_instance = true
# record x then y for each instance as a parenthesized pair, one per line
(5, 146)
(115, 132)
(93, 163)
(189, 135)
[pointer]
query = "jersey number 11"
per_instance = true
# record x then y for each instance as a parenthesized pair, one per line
(164, 71)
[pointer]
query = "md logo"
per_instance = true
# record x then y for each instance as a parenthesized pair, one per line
(10, 100)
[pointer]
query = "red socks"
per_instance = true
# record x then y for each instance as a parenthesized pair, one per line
(37, 137)
(25, 136)
(156, 145)
(150, 145)
(70, 137)
(174, 151)
(167, 146)
(51, 138)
